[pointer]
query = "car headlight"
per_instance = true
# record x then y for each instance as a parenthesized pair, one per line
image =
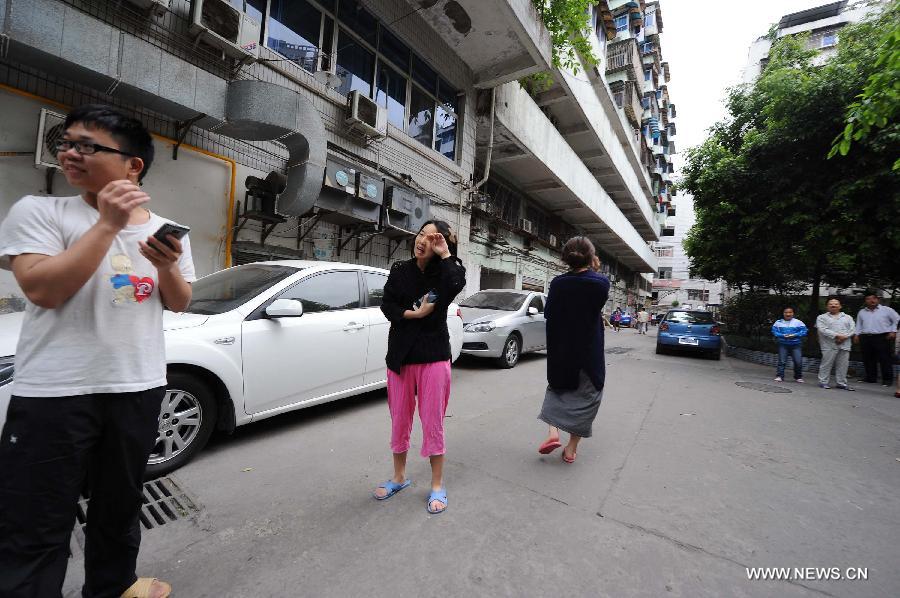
(480, 327)
(6, 369)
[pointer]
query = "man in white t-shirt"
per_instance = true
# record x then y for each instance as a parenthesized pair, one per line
(90, 365)
(643, 318)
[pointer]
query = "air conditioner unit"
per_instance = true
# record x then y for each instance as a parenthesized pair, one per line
(366, 116)
(554, 241)
(156, 7)
(222, 25)
(50, 130)
(525, 225)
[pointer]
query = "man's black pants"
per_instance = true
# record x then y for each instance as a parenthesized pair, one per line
(47, 447)
(877, 350)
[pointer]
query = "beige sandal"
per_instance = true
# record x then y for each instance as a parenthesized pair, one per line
(141, 588)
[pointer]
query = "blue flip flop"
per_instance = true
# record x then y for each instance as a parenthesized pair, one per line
(437, 495)
(392, 487)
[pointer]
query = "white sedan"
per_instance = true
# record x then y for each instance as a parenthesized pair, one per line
(259, 340)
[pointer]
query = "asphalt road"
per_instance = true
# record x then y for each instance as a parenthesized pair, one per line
(687, 482)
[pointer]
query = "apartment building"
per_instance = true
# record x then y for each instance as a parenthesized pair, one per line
(331, 129)
(674, 285)
(822, 24)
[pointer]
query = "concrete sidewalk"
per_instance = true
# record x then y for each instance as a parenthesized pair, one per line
(688, 480)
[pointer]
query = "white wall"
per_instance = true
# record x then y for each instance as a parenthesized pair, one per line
(192, 190)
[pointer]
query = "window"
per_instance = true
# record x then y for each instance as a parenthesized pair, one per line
(294, 31)
(690, 317)
(664, 252)
(645, 102)
(358, 20)
(332, 291)
(375, 283)
(421, 117)
(622, 23)
(538, 303)
(445, 133)
(255, 9)
(668, 232)
(698, 295)
(650, 19)
(394, 50)
(391, 94)
(665, 273)
(228, 289)
(355, 66)
(647, 74)
(829, 39)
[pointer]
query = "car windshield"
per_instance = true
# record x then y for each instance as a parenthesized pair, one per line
(227, 289)
(495, 300)
(690, 317)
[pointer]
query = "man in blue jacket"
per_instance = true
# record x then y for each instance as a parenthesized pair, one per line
(789, 333)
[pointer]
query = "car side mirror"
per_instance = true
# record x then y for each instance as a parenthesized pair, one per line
(285, 308)
(533, 311)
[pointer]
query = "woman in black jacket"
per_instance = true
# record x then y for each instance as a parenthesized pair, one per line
(416, 297)
(576, 372)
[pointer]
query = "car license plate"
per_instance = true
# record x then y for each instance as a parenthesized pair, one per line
(688, 340)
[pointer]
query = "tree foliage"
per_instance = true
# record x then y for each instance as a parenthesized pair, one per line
(569, 24)
(772, 210)
(879, 103)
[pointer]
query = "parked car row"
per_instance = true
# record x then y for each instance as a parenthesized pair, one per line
(259, 340)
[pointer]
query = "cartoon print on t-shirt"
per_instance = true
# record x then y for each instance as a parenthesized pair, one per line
(127, 286)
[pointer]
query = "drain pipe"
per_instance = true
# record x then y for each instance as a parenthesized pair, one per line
(487, 161)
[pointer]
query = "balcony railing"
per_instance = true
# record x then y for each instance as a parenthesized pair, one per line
(624, 56)
(625, 94)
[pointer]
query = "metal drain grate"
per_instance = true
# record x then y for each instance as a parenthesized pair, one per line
(618, 350)
(164, 502)
(764, 387)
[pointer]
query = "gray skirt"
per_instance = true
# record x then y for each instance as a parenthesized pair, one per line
(572, 411)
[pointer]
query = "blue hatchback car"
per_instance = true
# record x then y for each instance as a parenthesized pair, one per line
(695, 331)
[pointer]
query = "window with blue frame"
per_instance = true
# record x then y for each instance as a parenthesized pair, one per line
(648, 73)
(650, 19)
(622, 23)
(645, 102)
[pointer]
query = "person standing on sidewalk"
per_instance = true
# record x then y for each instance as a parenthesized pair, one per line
(616, 320)
(416, 297)
(576, 370)
(835, 330)
(876, 330)
(643, 321)
(90, 363)
(789, 333)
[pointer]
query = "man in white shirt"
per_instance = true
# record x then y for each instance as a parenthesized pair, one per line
(876, 329)
(90, 364)
(835, 329)
(643, 321)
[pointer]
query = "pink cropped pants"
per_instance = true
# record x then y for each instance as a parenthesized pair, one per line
(431, 383)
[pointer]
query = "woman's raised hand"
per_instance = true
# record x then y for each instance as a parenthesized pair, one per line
(439, 245)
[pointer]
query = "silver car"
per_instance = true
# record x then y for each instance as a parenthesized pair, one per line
(502, 324)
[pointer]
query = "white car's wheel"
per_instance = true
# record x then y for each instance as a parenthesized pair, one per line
(186, 421)
(512, 350)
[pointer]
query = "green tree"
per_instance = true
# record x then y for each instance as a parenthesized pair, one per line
(772, 210)
(569, 24)
(879, 104)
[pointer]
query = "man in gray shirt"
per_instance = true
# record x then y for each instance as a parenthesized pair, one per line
(835, 329)
(876, 329)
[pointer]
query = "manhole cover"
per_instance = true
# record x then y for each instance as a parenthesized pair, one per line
(763, 387)
(164, 502)
(618, 350)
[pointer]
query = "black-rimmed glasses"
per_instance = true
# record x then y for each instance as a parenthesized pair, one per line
(86, 149)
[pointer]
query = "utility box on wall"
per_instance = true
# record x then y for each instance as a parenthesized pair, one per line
(350, 195)
(404, 212)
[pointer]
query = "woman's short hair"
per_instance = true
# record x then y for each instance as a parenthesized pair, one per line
(578, 253)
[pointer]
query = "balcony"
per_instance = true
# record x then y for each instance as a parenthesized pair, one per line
(624, 56)
(625, 94)
(507, 42)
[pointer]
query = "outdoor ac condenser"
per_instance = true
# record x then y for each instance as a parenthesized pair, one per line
(366, 116)
(222, 25)
(50, 130)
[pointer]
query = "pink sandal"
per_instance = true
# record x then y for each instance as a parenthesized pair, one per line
(549, 446)
(569, 459)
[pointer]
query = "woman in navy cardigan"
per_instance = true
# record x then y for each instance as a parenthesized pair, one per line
(576, 370)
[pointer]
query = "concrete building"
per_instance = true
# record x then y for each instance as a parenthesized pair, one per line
(822, 24)
(331, 129)
(674, 284)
